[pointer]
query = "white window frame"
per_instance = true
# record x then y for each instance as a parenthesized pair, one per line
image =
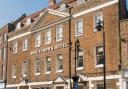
(25, 44)
(5, 37)
(4, 52)
(14, 71)
(58, 37)
(63, 7)
(24, 68)
(96, 85)
(97, 65)
(95, 22)
(37, 66)
(37, 39)
(76, 31)
(80, 53)
(125, 83)
(80, 1)
(1, 39)
(3, 71)
(57, 61)
(60, 85)
(46, 36)
(48, 59)
(28, 22)
(15, 46)
(1, 53)
(18, 26)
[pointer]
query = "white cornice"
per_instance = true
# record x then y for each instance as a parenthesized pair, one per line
(95, 8)
(64, 14)
(18, 36)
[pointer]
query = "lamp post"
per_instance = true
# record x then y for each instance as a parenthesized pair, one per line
(75, 78)
(99, 27)
(70, 48)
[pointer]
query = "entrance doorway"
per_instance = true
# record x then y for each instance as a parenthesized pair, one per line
(59, 87)
(24, 87)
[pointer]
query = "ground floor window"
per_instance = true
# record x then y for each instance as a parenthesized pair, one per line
(41, 88)
(99, 86)
(80, 87)
(127, 85)
(59, 87)
(12, 88)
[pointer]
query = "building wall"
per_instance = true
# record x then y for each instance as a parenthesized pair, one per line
(88, 41)
(2, 46)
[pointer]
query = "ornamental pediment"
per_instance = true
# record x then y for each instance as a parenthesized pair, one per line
(59, 79)
(48, 17)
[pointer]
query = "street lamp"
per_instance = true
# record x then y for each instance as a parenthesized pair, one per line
(77, 49)
(99, 27)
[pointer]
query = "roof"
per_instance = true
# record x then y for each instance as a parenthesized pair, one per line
(23, 18)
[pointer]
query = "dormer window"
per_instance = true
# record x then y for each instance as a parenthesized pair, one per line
(80, 1)
(41, 14)
(18, 26)
(63, 7)
(29, 21)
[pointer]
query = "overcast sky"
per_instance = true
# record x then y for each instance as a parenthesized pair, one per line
(12, 9)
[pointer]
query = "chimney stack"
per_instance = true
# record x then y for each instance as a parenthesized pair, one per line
(51, 2)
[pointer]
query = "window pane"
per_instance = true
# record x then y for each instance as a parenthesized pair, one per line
(37, 66)
(5, 36)
(0, 53)
(25, 67)
(80, 1)
(37, 39)
(4, 53)
(100, 86)
(126, 85)
(59, 62)
(14, 70)
(0, 39)
(99, 55)
(79, 27)
(25, 44)
(59, 32)
(48, 64)
(80, 59)
(48, 36)
(15, 47)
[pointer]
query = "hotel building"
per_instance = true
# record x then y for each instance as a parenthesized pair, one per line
(41, 47)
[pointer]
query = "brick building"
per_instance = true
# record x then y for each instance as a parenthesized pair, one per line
(39, 54)
(124, 50)
(3, 49)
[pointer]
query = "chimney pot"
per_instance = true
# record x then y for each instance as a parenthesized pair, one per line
(51, 2)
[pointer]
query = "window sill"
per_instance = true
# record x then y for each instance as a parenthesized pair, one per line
(14, 53)
(99, 66)
(24, 49)
(58, 71)
(48, 72)
(37, 46)
(79, 35)
(80, 68)
(37, 73)
(14, 77)
(58, 40)
(47, 43)
(24, 75)
(79, 3)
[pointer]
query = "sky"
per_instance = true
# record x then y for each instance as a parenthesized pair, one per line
(12, 9)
